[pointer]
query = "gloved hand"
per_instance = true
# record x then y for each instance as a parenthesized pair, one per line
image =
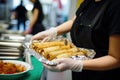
(66, 64)
(45, 35)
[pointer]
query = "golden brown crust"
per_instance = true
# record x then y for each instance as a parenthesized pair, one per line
(56, 49)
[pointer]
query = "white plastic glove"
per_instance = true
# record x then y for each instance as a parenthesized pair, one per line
(45, 35)
(66, 64)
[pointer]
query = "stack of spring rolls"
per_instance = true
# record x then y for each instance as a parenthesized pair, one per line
(56, 49)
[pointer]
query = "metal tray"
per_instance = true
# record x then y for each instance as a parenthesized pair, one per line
(37, 56)
(11, 32)
(9, 50)
(9, 57)
(11, 44)
(7, 40)
(12, 37)
(10, 54)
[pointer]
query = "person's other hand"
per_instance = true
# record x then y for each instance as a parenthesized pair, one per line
(66, 64)
(44, 35)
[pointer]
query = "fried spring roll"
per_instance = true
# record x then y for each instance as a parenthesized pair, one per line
(55, 48)
(38, 47)
(65, 55)
(50, 44)
(65, 47)
(78, 53)
(50, 49)
(54, 54)
(68, 55)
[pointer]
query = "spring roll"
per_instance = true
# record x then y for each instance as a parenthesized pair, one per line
(55, 48)
(68, 55)
(50, 44)
(50, 49)
(78, 53)
(65, 55)
(54, 54)
(38, 47)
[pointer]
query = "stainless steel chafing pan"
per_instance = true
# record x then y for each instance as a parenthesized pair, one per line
(7, 40)
(4, 47)
(9, 57)
(10, 54)
(11, 44)
(11, 32)
(12, 37)
(9, 50)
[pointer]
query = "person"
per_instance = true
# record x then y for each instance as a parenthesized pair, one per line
(21, 15)
(95, 26)
(36, 24)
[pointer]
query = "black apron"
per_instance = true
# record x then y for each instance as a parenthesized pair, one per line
(81, 36)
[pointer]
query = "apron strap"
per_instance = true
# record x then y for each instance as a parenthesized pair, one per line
(99, 13)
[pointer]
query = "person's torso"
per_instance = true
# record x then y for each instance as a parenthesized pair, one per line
(40, 18)
(21, 12)
(95, 37)
(89, 35)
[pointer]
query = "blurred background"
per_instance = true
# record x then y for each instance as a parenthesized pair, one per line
(55, 12)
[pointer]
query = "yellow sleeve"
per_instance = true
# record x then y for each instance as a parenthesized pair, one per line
(79, 2)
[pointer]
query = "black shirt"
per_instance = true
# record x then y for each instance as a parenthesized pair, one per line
(37, 5)
(38, 25)
(107, 25)
(21, 12)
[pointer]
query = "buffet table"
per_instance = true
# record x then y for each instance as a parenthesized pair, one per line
(35, 73)
(12, 48)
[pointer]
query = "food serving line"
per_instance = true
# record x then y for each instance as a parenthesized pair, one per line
(15, 46)
(11, 48)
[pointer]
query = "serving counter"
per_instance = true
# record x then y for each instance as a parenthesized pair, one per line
(35, 73)
(12, 47)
